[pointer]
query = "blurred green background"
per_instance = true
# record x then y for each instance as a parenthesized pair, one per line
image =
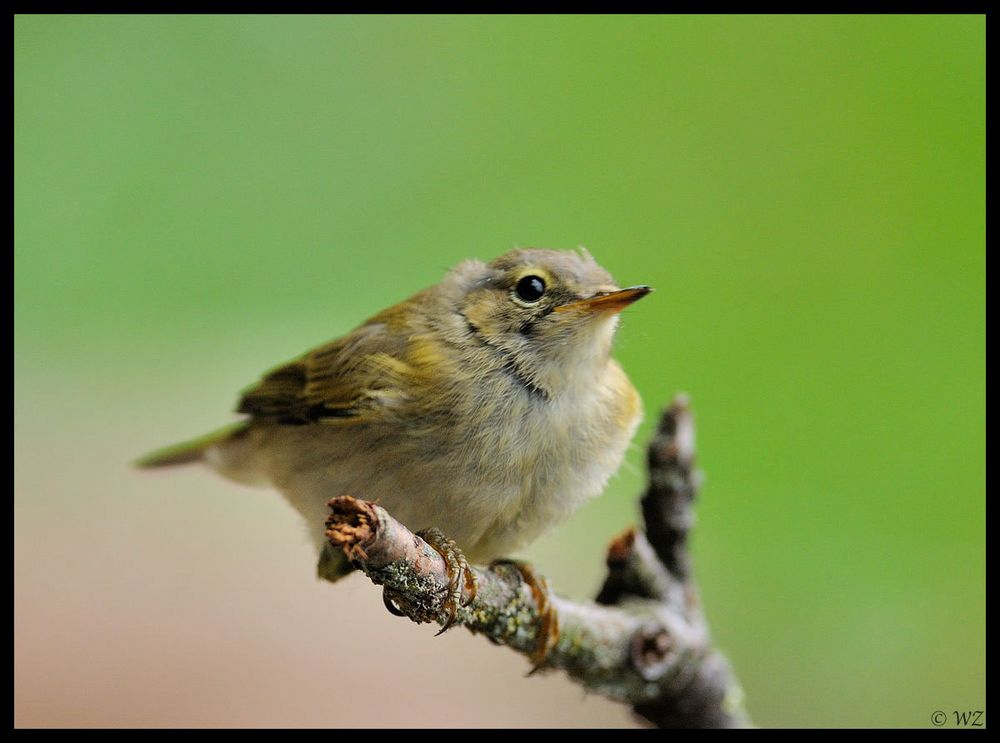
(199, 198)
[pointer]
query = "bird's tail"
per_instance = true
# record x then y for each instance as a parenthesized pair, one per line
(191, 451)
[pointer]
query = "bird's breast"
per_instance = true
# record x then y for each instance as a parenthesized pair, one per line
(529, 462)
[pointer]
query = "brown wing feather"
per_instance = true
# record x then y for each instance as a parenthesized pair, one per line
(339, 382)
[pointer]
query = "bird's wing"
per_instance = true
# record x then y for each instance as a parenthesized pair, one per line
(348, 380)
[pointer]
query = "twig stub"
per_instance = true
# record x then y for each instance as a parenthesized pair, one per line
(351, 525)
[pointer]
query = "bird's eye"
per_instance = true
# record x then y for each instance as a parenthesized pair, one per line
(530, 289)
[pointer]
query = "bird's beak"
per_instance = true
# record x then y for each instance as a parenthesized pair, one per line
(614, 301)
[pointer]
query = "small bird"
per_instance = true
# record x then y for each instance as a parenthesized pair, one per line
(486, 408)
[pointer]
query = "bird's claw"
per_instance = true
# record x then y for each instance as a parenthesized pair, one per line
(548, 628)
(387, 599)
(460, 575)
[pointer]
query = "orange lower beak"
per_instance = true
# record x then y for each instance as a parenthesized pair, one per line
(608, 301)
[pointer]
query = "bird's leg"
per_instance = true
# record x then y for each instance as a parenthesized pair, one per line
(548, 628)
(459, 572)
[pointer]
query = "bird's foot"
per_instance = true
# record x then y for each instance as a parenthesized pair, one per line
(548, 628)
(460, 574)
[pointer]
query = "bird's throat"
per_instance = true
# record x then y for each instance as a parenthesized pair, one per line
(508, 363)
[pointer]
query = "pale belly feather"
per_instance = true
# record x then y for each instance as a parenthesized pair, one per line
(493, 487)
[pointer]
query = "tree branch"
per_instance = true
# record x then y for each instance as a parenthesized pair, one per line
(643, 642)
